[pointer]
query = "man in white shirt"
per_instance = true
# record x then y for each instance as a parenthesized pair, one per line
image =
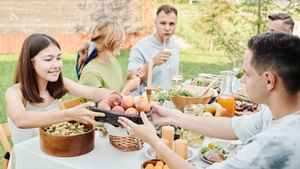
(160, 47)
(271, 138)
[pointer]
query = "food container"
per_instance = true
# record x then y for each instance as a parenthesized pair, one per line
(67, 145)
(181, 101)
(154, 162)
(126, 143)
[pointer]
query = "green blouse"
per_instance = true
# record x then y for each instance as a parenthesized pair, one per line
(103, 75)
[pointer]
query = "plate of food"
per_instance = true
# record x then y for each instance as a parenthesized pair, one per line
(244, 106)
(150, 153)
(214, 152)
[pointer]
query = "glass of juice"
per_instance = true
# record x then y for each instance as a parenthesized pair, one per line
(228, 102)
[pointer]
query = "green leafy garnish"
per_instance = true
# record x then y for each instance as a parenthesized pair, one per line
(239, 75)
(184, 93)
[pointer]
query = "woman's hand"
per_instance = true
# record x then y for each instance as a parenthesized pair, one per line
(145, 131)
(138, 73)
(81, 114)
(130, 85)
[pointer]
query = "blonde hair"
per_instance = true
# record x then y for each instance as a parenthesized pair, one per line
(107, 35)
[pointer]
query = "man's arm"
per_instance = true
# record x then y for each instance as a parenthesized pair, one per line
(217, 127)
(137, 61)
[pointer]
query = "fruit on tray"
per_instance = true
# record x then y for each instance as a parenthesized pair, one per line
(114, 100)
(104, 105)
(127, 102)
(132, 111)
(116, 106)
(142, 105)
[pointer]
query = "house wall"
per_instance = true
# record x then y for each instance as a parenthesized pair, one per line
(69, 21)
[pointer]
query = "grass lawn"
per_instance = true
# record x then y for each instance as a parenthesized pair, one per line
(192, 62)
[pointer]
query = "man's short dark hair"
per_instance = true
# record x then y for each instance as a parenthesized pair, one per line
(286, 18)
(167, 9)
(278, 52)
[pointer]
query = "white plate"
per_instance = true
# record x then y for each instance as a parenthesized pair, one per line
(224, 145)
(201, 156)
(150, 153)
(208, 75)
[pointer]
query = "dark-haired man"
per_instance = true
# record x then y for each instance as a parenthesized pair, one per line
(280, 22)
(165, 62)
(271, 138)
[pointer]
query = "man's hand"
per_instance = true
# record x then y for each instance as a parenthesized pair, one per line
(161, 58)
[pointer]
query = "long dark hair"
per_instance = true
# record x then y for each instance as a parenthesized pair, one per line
(26, 75)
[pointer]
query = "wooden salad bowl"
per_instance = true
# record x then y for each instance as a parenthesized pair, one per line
(67, 146)
(182, 101)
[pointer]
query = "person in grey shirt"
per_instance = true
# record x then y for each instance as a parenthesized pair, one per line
(160, 47)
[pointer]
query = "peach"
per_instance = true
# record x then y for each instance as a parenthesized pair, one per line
(157, 167)
(166, 167)
(132, 111)
(149, 166)
(114, 99)
(142, 105)
(160, 163)
(104, 105)
(127, 102)
(118, 109)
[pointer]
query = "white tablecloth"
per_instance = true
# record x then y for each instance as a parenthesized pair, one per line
(28, 155)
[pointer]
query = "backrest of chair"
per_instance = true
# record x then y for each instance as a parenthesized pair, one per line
(70, 103)
(4, 134)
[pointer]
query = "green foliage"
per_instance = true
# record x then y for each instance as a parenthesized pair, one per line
(229, 24)
(223, 22)
(171, 1)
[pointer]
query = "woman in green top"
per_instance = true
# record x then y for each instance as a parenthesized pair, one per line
(97, 65)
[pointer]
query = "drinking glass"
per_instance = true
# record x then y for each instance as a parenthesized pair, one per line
(167, 48)
(177, 77)
(194, 139)
(237, 65)
(237, 71)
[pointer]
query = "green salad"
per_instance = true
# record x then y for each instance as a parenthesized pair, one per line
(213, 147)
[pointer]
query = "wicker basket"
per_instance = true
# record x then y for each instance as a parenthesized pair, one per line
(126, 143)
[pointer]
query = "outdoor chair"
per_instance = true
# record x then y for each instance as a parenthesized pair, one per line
(4, 135)
(70, 103)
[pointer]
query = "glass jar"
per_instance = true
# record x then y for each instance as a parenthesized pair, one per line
(226, 98)
(194, 139)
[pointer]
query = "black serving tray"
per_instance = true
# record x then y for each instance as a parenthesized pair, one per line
(112, 117)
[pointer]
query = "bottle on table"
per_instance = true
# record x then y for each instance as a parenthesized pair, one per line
(226, 97)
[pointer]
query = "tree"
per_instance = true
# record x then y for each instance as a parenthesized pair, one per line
(230, 24)
(223, 22)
